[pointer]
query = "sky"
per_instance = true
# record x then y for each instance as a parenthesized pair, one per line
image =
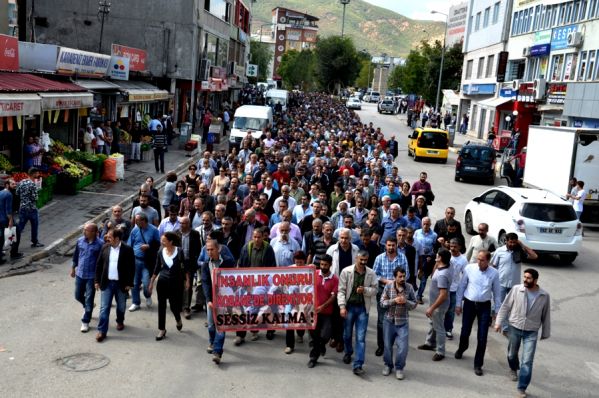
(417, 9)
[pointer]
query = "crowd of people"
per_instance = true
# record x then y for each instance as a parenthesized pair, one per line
(318, 188)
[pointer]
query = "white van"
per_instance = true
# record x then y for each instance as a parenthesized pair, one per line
(253, 118)
(277, 96)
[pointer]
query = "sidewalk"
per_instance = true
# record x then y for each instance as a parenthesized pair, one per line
(62, 219)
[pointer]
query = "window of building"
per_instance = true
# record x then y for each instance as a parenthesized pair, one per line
(592, 8)
(496, 12)
(553, 16)
(486, 17)
(557, 67)
(477, 23)
(470, 20)
(562, 14)
(515, 24)
(469, 66)
(490, 65)
(570, 66)
(582, 68)
(524, 21)
(532, 68)
(218, 8)
(515, 69)
(529, 22)
(480, 68)
(535, 24)
(569, 13)
(591, 67)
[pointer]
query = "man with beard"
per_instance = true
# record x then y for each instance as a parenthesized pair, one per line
(145, 209)
(117, 221)
(190, 245)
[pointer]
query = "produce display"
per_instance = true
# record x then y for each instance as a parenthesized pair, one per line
(5, 163)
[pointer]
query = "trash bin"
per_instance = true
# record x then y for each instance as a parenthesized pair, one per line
(184, 134)
(451, 130)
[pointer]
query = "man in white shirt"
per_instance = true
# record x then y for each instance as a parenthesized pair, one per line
(478, 288)
(457, 264)
(283, 246)
(170, 223)
(482, 241)
(578, 198)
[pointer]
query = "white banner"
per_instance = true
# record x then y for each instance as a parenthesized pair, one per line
(84, 63)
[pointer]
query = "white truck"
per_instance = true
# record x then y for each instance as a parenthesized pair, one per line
(275, 96)
(556, 154)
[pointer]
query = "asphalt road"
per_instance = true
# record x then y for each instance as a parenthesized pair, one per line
(39, 327)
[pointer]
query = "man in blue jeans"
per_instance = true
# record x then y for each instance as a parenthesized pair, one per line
(357, 285)
(85, 257)
(526, 308)
(27, 191)
(398, 298)
(6, 204)
(114, 278)
(217, 339)
(145, 241)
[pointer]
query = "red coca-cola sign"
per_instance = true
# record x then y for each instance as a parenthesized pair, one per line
(9, 53)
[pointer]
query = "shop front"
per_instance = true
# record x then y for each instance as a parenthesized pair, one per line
(138, 99)
(61, 115)
(19, 113)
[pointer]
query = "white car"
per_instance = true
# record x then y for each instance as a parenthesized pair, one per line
(542, 220)
(354, 103)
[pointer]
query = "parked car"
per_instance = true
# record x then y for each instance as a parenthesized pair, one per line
(387, 106)
(428, 143)
(476, 161)
(374, 96)
(542, 220)
(353, 103)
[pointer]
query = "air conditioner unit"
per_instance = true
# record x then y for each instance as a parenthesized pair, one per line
(515, 84)
(526, 52)
(574, 39)
(538, 88)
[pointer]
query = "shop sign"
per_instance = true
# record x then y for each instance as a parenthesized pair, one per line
(161, 95)
(556, 93)
(526, 92)
(502, 66)
(67, 101)
(12, 105)
(205, 85)
(542, 37)
(119, 68)
(84, 63)
(9, 53)
(141, 96)
(218, 72)
(478, 89)
(540, 50)
(508, 92)
(37, 56)
(310, 36)
(137, 57)
(239, 70)
(559, 36)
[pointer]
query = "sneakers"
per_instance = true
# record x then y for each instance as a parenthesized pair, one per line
(288, 350)
(149, 302)
(386, 371)
(300, 339)
(37, 244)
(438, 357)
(311, 363)
(359, 371)
(254, 336)
(84, 327)
(216, 358)
(346, 358)
(210, 349)
(426, 347)
(522, 393)
(449, 335)
(399, 375)
(513, 375)
(238, 341)
(133, 308)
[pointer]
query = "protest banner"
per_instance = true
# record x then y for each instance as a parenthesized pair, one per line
(264, 298)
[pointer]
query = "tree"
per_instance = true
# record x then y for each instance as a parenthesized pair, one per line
(337, 62)
(297, 69)
(420, 74)
(366, 73)
(260, 55)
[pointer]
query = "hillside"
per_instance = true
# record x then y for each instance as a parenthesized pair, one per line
(372, 28)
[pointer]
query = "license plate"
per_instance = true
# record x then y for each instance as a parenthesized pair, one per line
(432, 152)
(551, 230)
(469, 168)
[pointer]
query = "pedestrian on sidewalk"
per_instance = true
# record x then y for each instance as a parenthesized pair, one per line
(6, 205)
(86, 254)
(145, 242)
(135, 132)
(206, 122)
(159, 146)
(226, 121)
(172, 277)
(114, 278)
(27, 191)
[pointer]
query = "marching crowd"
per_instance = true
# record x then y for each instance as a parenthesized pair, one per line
(318, 188)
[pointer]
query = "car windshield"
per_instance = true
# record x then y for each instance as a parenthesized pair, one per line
(246, 123)
(484, 154)
(548, 212)
(429, 139)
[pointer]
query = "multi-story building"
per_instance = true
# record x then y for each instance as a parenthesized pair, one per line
(294, 30)
(487, 32)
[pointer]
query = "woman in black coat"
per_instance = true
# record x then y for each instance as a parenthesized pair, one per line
(172, 276)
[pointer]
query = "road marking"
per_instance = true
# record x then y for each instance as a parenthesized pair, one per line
(594, 367)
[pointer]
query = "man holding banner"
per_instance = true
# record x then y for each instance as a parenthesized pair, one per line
(217, 339)
(357, 285)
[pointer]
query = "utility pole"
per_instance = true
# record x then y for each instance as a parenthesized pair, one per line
(103, 11)
(442, 60)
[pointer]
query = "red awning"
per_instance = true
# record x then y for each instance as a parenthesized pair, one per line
(28, 83)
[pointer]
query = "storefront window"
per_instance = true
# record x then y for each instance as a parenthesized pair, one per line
(542, 72)
(570, 67)
(223, 51)
(591, 67)
(557, 66)
(210, 46)
(583, 66)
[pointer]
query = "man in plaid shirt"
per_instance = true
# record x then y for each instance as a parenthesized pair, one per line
(398, 298)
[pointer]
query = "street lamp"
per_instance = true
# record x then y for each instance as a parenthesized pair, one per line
(344, 2)
(442, 59)
(103, 10)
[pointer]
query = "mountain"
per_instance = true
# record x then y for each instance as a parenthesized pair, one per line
(376, 29)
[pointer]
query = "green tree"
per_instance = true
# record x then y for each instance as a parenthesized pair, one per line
(366, 74)
(297, 69)
(337, 62)
(260, 55)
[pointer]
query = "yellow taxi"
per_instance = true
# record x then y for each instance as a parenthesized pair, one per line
(428, 143)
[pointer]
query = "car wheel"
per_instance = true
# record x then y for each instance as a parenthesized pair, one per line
(456, 178)
(491, 180)
(501, 239)
(568, 258)
(469, 224)
(416, 158)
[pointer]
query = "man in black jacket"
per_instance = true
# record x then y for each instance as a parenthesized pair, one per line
(410, 252)
(114, 277)
(190, 244)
